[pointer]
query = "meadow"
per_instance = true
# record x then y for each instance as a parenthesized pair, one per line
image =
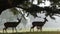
(44, 32)
(24, 31)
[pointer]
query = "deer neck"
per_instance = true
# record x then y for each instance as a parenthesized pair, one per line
(44, 21)
(19, 21)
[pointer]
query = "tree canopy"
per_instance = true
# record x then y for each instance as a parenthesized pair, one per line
(30, 7)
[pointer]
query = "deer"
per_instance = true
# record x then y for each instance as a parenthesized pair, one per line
(38, 24)
(11, 24)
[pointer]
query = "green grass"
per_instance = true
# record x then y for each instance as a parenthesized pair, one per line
(44, 32)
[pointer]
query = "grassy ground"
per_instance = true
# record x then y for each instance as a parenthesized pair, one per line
(44, 32)
(24, 31)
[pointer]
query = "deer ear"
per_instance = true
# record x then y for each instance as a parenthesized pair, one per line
(17, 18)
(47, 20)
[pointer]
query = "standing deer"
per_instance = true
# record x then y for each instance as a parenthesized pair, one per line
(38, 24)
(11, 24)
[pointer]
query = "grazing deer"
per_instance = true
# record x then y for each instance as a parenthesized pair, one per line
(11, 24)
(38, 24)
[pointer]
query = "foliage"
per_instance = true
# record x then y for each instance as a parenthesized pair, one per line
(33, 9)
(15, 11)
(55, 1)
(49, 10)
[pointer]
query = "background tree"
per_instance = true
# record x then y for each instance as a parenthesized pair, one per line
(49, 10)
(30, 7)
(7, 4)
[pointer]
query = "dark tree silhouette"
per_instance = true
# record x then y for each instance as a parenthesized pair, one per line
(6, 4)
(39, 24)
(49, 10)
(39, 1)
(55, 1)
(33, 9)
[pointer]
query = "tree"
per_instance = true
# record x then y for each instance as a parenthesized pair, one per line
(6, 4)
(49, 10)
(30, 7)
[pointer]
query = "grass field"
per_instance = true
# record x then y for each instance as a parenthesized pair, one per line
(27, 31)
(44, 32)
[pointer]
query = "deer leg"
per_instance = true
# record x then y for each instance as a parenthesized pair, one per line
(37, 28)
(32, 28)
(12, 29)
(16, 29)
(41, 29)
(5, 29)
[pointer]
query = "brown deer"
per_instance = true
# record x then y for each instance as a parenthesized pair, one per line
(38, 24)
(11, 24)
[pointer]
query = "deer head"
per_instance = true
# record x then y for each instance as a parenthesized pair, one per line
(45, 19)
(19, 20)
